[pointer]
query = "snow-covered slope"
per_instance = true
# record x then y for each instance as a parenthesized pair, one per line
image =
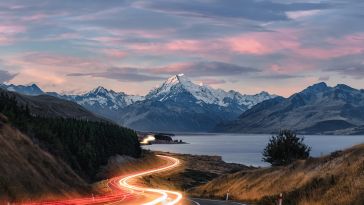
(204, 93)
(106, 103)
(181, 105)
(104, 98)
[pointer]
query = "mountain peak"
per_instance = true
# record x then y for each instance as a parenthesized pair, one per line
(344, 87)
(318, 87)
(180, 78)
(33, 85)
(100, 89)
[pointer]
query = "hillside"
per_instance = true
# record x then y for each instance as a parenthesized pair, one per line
(26, 171)
(84, 145)
(336, 179)
(319, 109)
(48, 106)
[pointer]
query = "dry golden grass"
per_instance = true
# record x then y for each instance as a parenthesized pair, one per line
(334, 179)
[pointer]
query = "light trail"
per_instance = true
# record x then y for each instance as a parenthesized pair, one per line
(164, 193)
(121, 187)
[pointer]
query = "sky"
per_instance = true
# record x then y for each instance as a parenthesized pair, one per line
(279, 46)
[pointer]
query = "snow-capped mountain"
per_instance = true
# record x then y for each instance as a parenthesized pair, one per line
(204, 93)
(32, 89)
(101, 97)
(181, 105)
(102, 101)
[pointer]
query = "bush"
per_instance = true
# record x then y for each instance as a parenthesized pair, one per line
(285, 148)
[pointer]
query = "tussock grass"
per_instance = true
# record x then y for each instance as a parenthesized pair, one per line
(334, 179)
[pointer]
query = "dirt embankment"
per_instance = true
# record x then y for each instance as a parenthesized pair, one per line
(27, 172)
(336, 179)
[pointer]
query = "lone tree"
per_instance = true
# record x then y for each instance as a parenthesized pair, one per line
(285, 148)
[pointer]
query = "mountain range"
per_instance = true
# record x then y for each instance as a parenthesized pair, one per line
(181, 105)
(319, 109)
(177, 105)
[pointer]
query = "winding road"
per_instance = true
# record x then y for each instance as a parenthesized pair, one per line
(124, 191)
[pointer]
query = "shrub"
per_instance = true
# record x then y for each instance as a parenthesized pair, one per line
(285, 148)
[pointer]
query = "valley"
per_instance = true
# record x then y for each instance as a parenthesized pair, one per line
(203, 102)
(80, 142)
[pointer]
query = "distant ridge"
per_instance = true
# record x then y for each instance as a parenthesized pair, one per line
(318, 109)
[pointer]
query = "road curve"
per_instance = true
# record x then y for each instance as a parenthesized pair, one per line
(166, 197)
(123, 192)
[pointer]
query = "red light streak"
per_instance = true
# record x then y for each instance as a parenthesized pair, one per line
(125, 192)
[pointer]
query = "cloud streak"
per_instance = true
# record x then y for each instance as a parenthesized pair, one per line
(206, 69)
(120, 74)
(355, 70)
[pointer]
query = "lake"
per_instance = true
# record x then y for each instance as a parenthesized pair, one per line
(247, 148)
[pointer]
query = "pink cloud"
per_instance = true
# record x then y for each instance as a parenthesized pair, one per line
(289, 41)
(36, 17)
(184, 45)
(257, 43)
(5, 40)
(115, 53)
(8, 33)
(248, 45)
(262, 43)
(188, 47)
(347, 45)
(11, 29)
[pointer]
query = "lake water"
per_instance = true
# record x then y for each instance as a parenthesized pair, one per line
(247, 148)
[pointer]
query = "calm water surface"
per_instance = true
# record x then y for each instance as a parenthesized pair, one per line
(247, 148)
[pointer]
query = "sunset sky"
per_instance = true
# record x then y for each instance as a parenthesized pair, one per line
(280, 46)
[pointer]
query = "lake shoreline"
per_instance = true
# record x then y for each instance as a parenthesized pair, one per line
(247, 149)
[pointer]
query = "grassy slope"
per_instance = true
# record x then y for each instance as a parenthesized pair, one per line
(334, 179)
(26, 171)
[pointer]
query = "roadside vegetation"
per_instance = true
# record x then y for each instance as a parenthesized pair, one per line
(285, 148)
(335, 179)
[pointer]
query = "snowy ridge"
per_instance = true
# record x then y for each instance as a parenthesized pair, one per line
(104, 98)
(204, 93)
